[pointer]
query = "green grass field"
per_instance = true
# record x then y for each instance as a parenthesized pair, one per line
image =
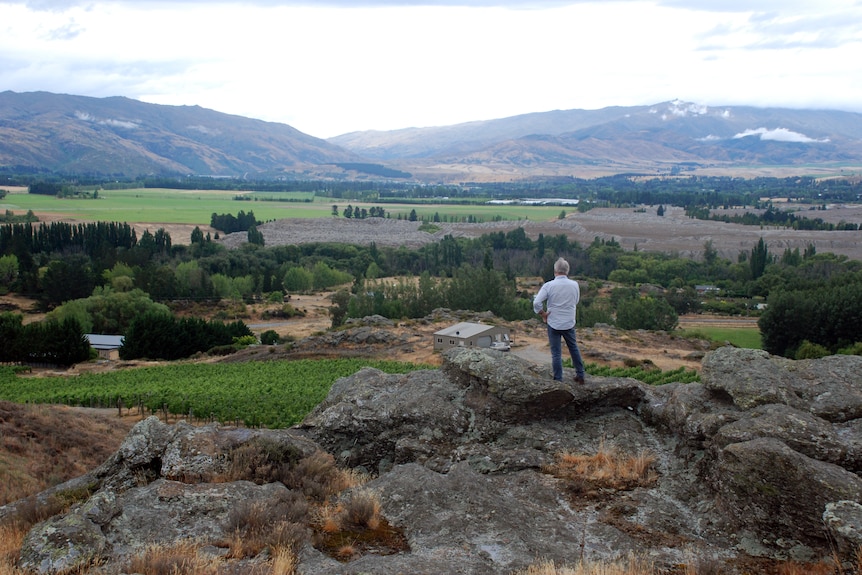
(746, 337)
(166, 206)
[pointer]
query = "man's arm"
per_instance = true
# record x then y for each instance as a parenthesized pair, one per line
(538, 303)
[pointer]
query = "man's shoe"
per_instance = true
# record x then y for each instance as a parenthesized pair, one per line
(579, 379)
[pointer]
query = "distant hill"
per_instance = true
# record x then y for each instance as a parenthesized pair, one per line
(663, 136)
(124, 137)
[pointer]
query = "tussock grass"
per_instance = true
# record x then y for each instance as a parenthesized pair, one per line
(633, 565)
(255, 526)
(793, 568)
(284, 562)
(362, 510)
(316, 476)
(11, 538)
(605, 469)
(355, 524)
(181, 558)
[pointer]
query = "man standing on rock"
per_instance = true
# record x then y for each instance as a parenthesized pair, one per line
(556, 303)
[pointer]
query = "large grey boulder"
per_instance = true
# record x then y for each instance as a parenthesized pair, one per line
(799, 430)
(843, 522)
(161, 512)
(375, 420)
(690, 410)
(830, 388)
(764, 486)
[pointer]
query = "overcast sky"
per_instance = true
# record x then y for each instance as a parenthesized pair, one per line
(328, 68)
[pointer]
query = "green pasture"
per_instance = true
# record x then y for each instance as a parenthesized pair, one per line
(745, 337)
(156, 205)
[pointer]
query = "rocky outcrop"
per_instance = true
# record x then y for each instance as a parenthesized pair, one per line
(760, 458)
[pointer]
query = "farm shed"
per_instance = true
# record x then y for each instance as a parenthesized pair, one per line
(108, 346)
(466, 334)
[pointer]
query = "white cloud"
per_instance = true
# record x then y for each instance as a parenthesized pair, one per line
(85, 117)
(780, 135)
(681, 109)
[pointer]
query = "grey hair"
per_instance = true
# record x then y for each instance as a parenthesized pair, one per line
(561, 266)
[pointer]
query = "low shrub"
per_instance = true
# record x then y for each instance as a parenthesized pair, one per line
(808, 350)
(855, 349)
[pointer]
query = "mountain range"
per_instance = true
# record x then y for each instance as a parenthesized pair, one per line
(123, 137)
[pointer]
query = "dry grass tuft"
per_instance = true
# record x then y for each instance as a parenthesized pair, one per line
(264, 461)
(346, 552)
(704, 566)
(606, 469)
(284, 562)
(11, 538)
(255, 527)
(319, 478)
(329, 518)
(794, 568)
(181, 558)
(355, 525)
(362, 510)
(633, 565)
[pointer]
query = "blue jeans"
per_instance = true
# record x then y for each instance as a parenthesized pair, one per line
(554, 336)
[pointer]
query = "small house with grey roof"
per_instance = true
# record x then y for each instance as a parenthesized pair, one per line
(467, 334)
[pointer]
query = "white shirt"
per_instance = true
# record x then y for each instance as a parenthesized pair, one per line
(562, 296)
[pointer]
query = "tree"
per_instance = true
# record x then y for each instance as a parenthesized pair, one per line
(161, 336)
(197, 236)
(192, 281)
(270, 336)
(325, 277)
(646, 313)
(334, 210)
(121, 277)
(8, 272)
(660, 210)
(298, 279)
(338, 310)
(11, 327)
(66, 279)
(759, 258)
(829, 315)
(255, 236)
(413, 217)
(710, 254)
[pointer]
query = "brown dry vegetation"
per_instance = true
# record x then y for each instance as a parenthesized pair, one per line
(607, 469)
(45, 445)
